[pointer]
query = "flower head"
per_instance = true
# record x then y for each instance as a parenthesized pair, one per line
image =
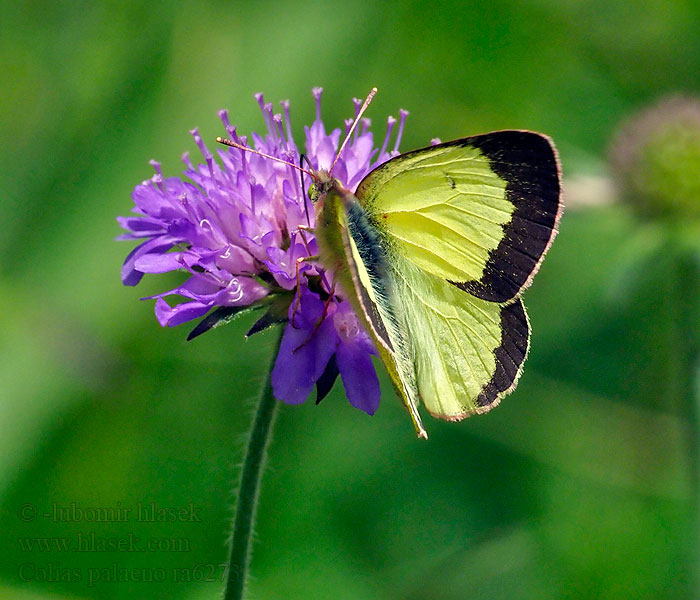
(655, 158)
(234, 228)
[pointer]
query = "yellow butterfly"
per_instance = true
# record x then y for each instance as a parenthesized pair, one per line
(434, 249)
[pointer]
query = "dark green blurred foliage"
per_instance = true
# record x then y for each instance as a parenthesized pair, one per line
(583, 484)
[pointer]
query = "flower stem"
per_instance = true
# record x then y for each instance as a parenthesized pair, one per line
(688, 290)
(251, 475)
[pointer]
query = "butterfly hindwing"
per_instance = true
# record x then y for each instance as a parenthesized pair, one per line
(469, 352)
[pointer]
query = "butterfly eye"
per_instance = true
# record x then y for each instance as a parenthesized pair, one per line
(313, 192)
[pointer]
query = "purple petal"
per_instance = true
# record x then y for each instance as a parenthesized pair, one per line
(159, 263)
(353, 357)
(197, 287)
(359, 376)
(160, 244)
(235, 260)
(325, 153)
(179, 314)
(141, 226)
(282, 264)
(148, 198)
(304, 352)
(241, 291)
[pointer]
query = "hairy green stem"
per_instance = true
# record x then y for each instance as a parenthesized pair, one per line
(251, 476)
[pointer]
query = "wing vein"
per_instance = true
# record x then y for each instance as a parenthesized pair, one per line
(463, 251)
(459, 344)
(458, 233)
(475, 334)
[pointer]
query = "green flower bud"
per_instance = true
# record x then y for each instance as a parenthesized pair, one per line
(655, 158)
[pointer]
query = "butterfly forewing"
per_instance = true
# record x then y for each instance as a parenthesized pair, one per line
(479, 212)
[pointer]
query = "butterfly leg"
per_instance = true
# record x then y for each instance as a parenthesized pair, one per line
(302, 229)
(297, 300)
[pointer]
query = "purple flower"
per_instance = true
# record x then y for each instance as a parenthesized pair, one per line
(234, 227)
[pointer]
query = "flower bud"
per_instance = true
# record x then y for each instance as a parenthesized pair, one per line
(655, 159)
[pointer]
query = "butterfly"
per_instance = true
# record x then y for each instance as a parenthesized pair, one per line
(434, 249)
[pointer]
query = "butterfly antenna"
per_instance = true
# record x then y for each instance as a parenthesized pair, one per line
(371, 94)
(302, 158)
(232, 144)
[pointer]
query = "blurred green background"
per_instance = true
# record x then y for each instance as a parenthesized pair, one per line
(583, 484)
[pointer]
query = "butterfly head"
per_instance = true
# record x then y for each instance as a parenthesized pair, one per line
(323, 183)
